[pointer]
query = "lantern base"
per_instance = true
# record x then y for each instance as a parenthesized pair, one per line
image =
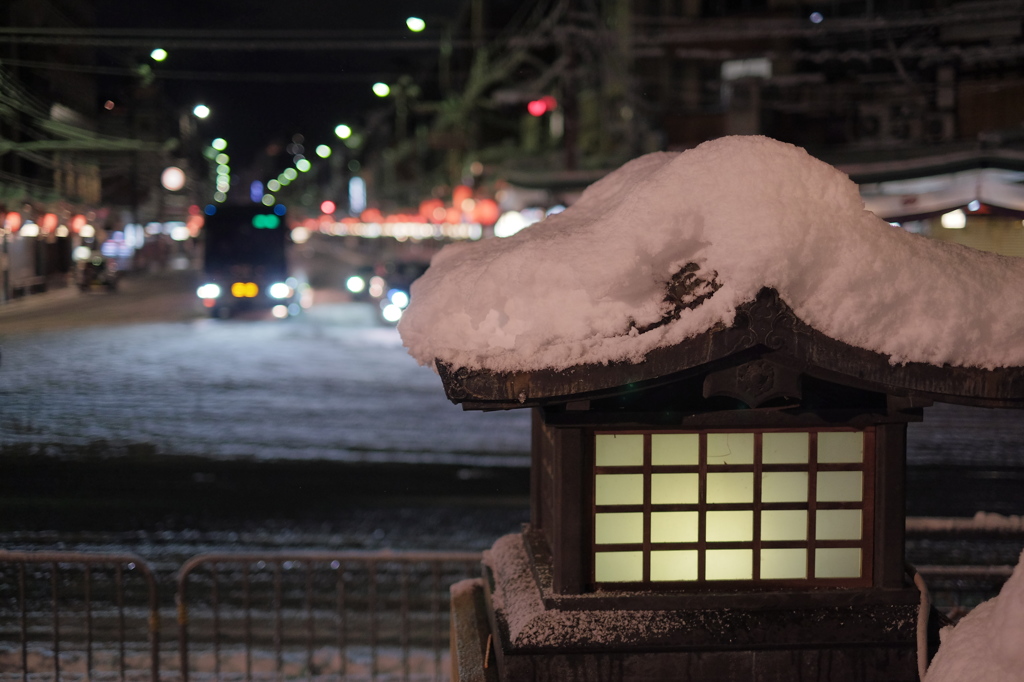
(861, 634)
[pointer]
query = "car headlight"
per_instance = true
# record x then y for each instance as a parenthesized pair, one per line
(355, 284)
(399, 298)
(391, 312)
(280, 290)
(208, 291)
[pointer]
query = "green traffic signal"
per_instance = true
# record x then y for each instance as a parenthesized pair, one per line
(266, 221)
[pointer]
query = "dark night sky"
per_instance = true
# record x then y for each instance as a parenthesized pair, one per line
(252, 114)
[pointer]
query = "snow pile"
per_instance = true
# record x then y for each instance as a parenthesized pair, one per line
(988, 644)
(588, 285)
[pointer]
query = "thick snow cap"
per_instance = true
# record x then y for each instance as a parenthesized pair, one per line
(588, 285)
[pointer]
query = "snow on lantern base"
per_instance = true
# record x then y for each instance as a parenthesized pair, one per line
(581, 641)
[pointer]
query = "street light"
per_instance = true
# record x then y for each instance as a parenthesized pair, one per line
(172, 178)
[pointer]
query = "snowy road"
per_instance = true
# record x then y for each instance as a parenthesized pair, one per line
(331, 385)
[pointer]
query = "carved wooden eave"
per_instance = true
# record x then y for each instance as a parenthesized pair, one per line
(765, 328)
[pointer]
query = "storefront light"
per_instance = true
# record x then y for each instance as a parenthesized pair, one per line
(954, 220)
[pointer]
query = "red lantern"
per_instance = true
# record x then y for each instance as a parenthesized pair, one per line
(486, 212)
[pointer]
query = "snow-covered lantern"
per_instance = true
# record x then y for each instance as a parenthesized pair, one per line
(722, 351)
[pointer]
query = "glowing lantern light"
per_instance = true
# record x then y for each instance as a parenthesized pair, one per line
(536, 108)
(486, 212)
(460, 194)
(48, 223)
(372, 215)
(327, 207)
(428, 207)
(12, 221)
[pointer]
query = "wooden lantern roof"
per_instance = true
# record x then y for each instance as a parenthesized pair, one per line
(764, 329)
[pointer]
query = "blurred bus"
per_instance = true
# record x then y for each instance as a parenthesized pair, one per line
(244, 263)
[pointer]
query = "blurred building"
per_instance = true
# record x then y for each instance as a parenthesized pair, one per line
(921, 101)
(75, 165)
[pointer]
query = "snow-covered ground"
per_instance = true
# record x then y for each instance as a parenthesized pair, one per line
(330, 385)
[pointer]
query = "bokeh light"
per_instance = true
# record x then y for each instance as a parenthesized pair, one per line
(343, 131)
(220, 144)
(381, 89)
(158, 55)
(355, 284)
(415, 24)
(172, 178)
(323, 151)
(201, 111)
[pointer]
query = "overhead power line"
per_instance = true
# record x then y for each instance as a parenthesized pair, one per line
(226, 76)
(245, 41)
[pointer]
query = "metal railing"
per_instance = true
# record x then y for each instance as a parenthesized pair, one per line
(955, 590)
(340, 615)
(89, 609)
(270, 615)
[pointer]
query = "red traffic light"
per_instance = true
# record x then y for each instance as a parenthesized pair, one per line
(539, 107)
